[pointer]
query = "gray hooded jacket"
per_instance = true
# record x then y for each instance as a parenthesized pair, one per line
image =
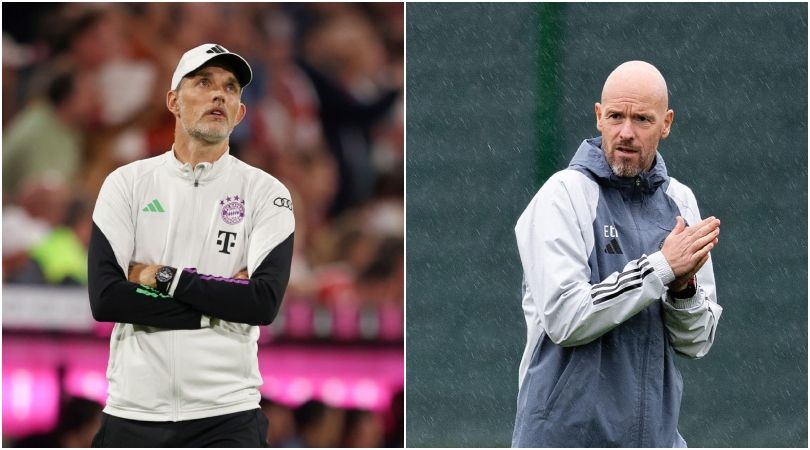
(598, 369)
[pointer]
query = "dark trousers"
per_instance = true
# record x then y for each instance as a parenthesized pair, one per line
(242, 429)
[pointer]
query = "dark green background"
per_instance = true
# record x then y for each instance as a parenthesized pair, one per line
(500, 96)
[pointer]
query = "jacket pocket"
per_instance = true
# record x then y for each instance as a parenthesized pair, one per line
(562, 384)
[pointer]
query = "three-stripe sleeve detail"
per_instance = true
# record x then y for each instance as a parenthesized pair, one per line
(626, 281)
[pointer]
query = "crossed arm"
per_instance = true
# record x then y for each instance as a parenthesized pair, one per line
(131, 298)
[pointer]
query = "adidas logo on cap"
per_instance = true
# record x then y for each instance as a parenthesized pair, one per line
(198, 56)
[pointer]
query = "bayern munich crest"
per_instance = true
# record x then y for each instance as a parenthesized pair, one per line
(233, 209)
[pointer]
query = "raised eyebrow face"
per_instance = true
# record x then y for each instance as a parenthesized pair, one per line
(638, 114)
(208, 74)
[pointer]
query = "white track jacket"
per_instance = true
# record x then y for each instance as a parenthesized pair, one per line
(191, 352)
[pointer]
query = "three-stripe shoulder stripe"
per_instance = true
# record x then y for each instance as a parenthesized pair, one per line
(626, 281)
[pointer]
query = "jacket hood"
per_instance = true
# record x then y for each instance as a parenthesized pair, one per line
(591, 158)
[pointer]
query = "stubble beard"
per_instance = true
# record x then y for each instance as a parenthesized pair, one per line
(208, 133)
(628, 169)
(624, 169)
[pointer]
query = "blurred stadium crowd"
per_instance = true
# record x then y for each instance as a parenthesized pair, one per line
(84, 88)
(84, 93)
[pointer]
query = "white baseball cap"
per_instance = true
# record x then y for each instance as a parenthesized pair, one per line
(197, 56)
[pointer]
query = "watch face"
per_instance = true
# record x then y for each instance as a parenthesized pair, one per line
(164, 274)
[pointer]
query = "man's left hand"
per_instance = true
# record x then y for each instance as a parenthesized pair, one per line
(143, 274)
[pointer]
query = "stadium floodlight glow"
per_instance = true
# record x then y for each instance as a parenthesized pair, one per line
(333, 392)
(31, 400)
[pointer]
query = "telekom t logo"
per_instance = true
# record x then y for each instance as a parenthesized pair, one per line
(225, 241)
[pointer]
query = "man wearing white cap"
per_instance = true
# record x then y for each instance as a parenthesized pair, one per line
(190, 253)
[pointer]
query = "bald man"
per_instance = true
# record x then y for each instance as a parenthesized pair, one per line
(617, 280)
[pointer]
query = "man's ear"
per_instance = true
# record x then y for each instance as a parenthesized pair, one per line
(171, 103)
(240, 114)
(669, 117)
(598, 110)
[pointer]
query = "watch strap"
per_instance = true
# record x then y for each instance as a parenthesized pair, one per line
(689, 292)
(164, 277)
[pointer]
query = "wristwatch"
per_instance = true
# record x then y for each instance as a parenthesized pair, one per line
(689, 292)
(164, 277)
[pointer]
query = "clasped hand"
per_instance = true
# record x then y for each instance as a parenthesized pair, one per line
(686, 249)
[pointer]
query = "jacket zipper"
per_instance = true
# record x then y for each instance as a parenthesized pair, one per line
(197, 175)
(643, 409)
(195, 199)
(643, 397)
(174, 379)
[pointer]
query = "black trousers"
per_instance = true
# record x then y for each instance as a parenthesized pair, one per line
(242, 429)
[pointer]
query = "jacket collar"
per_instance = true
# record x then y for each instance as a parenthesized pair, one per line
(591, 158)
(203, 172)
